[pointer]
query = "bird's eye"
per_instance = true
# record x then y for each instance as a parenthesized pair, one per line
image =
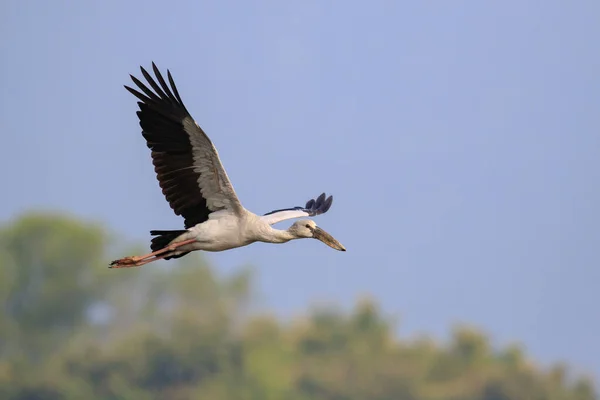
(307, 225)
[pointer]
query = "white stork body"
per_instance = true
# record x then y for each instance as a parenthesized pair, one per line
(222, 231)
(225, 231)
(195, 184)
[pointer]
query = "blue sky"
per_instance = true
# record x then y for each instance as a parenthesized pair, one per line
(461, 142)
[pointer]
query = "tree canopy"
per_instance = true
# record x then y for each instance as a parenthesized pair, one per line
(73, 329)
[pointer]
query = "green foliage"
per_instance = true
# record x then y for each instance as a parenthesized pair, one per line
(74, 329)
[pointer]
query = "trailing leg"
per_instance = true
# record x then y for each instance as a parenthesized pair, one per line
(136, 261)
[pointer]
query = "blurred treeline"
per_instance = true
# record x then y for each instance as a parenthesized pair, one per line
(73, 329)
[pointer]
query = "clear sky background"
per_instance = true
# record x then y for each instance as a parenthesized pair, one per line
(460, 139)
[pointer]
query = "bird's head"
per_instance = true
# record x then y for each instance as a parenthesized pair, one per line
(308, 229)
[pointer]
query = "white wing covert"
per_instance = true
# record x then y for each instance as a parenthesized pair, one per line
(313, 207)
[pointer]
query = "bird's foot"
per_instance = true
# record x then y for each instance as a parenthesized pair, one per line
(125, 262)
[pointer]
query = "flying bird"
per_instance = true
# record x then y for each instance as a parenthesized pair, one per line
(197, 188)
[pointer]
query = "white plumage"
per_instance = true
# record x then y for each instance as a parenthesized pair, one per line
(195, 184)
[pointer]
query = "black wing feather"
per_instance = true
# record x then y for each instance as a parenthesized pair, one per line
(161, 117)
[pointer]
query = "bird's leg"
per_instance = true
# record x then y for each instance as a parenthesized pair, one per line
(141, 262)
(135, 261)
(149, 260)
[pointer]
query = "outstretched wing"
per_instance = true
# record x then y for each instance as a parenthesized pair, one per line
(186, 162)
(313, 207)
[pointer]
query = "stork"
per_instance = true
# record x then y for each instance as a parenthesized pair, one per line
(197, 188)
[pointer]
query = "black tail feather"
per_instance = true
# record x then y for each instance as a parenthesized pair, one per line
(162, 240)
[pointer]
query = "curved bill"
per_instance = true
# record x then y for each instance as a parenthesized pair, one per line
(326, 238)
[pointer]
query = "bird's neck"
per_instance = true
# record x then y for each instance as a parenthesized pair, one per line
(278, 236)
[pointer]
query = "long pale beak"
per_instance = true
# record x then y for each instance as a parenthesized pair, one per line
(326, 238)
